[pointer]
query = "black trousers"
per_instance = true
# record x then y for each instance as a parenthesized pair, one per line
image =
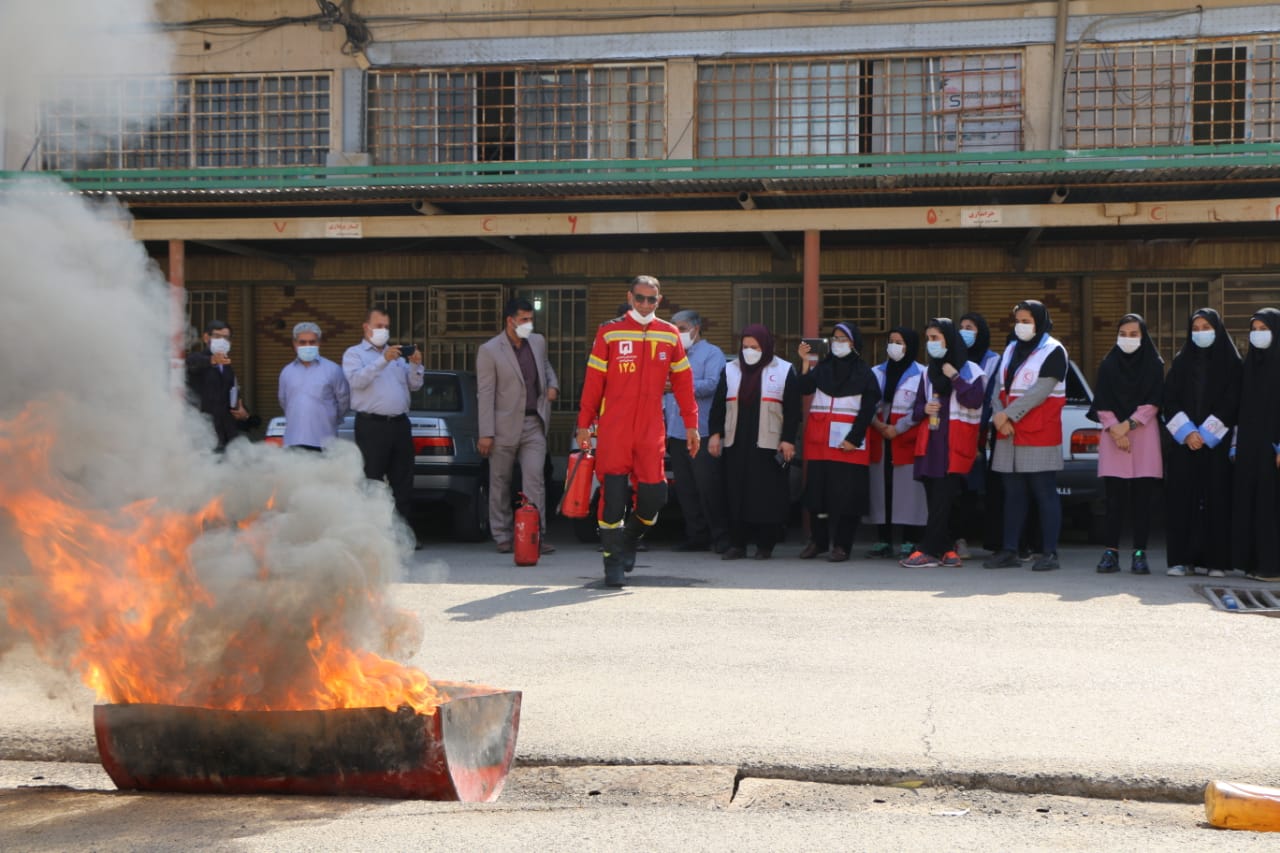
(699, 488)
(387, 448)
(942, 493)
(1123, 494)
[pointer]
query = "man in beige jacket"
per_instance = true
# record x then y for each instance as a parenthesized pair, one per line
(516, 386)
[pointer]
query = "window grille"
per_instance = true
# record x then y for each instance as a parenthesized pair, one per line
(1240, 297)
(864, 104)
(203, 307)
(913, 304)
(777, 306)
(1166, 305)
(1128, 94)
(180, 123)
(540, 113)
(560, 315)
(862, 303)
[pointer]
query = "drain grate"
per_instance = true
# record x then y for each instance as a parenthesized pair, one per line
(1246, 599)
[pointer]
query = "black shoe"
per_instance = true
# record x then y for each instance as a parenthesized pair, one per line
(1003, 560)
(1110, 562)
(692, 546)
(763, 553)
(810, 551)
(733, 553)
(837, 555)
(1047, 563)
(1140, 565)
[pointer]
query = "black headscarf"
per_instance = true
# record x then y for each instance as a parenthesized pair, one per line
(1023, 349)
(1204, 380)
(749, 390)
(844, 377)
(956, 355)
(1260, 400)
(1129, 380)
(982, 338)
(894, 369)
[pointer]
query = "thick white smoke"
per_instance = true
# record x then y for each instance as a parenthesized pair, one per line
(88, 348)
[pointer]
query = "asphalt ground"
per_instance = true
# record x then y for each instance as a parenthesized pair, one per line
(1065, 682)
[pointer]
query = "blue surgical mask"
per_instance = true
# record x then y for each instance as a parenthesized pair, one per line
(937, 349)
(308, 353)
(969, 336)
(1203, 338)
(1260, 338)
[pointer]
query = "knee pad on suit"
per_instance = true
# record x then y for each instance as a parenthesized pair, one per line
(616, 493)
(650, 499)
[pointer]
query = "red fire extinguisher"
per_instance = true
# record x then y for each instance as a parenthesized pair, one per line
(576, 502)
(527, 541)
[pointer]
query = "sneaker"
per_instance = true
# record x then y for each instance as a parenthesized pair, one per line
(1177, 572)
(962, 550)
(951, 560)
(907, 549)
(1047, 563)
(1140, 566)
(1002, 560)
(880, 550)
(1025, 555)
(1217, 573)
(918, 560)
(1110, 562)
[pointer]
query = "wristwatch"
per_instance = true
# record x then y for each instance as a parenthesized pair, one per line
(1133, 424)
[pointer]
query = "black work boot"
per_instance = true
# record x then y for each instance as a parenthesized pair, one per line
(634, 531)
(613, 545)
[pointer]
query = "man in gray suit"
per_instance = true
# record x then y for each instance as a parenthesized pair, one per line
(516, 386)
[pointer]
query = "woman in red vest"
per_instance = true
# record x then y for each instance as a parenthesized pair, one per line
(845, 394)
(898, 502)
(1027, 419)
(949, 407)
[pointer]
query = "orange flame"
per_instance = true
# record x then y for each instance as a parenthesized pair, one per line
(116, 593)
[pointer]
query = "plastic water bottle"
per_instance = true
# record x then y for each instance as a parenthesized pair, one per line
(934, 420)
(1229, 601)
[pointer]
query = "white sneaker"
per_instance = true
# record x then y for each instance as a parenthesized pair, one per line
(1217, 573)
(962, 549)
(1177, 572)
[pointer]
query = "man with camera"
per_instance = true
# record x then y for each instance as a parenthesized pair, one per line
(515, 387)
(381, 377)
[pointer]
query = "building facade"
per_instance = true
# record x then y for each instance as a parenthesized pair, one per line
(797, 166)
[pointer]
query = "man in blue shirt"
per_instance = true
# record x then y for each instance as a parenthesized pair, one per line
(313, 393)
(381, 382)
(698, 481)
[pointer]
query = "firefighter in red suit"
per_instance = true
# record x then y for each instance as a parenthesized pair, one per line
(631, 361)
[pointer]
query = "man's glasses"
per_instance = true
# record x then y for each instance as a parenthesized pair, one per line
(640, 297)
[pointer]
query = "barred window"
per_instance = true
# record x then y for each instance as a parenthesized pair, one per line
(203, 307)
(544, 113)
(1239, 297)
(895, 104)
(1166, 305)
(862, 303)
(1171, 93)
(560, 315)
(179, 123)
(777, 306)
(913, 304)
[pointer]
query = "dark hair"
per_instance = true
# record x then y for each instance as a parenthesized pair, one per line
(376, 309)
(216, 326)
(646, 280)
(515, 306)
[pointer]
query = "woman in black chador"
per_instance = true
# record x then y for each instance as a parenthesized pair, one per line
(1256, 538)
(1201, 398)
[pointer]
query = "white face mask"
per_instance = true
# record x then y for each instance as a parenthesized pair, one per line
(841, 348)
(642, 319)
(1128, 345)
(686, 339)
(1024, 331)
(1260, 338)
(524, 330)
(219, 346)
(1203, 338)
(308, 352)
(379, 337)
(896, 351)
(752, 356)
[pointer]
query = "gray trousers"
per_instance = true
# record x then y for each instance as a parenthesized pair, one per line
(532, 453)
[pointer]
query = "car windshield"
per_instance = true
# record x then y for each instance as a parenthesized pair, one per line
(440, 393)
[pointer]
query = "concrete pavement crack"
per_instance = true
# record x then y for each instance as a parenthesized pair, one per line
(927, 730)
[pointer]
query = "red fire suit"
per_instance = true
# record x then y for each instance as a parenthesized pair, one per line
(626, 376)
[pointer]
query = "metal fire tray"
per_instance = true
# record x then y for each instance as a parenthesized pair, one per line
(462, 752)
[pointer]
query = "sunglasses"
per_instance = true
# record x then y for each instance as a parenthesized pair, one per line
(641, 298)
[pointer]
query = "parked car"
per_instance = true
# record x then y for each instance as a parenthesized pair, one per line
(1079, 486)
(447, 467)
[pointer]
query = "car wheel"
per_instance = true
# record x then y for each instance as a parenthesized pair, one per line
(471, 517)
(586, 530)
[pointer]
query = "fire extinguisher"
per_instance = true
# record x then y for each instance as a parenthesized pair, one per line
(527, 540)
(576, 502)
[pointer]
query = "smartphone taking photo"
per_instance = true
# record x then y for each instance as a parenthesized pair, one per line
(817, 347)
(407, 350)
